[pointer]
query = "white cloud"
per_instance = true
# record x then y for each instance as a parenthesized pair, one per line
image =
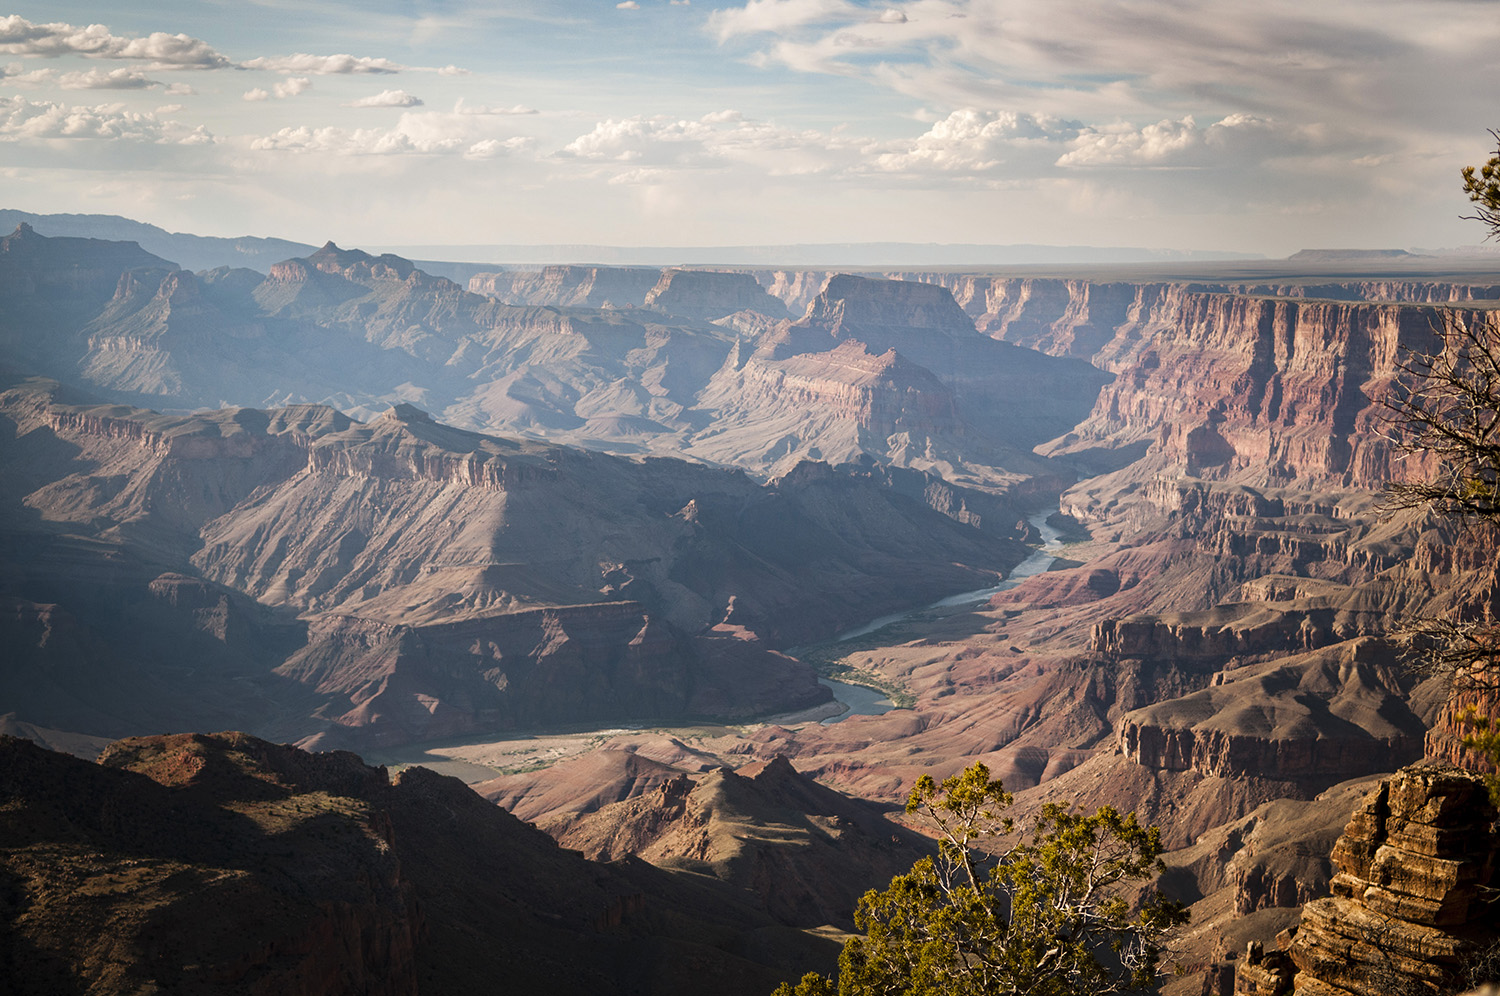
(17, 74)
(22, 119)
(891, 16)
(463, 107)
(256, 94)
(424, 133)
(292, 87)
(452, 71)
(387, 98)
(19, 36)
(971, 140)
(777, 16)
(1238, 140)
(491, 148)
(642, 148)
(347, 142)
(325, 65)
(115, 79)
(627, 5)
(179, 90)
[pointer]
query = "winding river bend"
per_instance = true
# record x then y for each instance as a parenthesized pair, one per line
(864, 701)
(477, 757)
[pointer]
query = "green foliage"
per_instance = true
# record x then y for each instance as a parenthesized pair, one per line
(1046, 916)
(1483, 737)
(1482, 184)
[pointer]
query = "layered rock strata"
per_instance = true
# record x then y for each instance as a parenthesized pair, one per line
(569, 286)
(1328, 715)
(1411, 899)
(711, 295)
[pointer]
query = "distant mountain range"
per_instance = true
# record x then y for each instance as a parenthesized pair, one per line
(848, 255)
(191, 252)
(461, 262)
(201, 252)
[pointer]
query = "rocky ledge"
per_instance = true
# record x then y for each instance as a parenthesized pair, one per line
(1410, 900)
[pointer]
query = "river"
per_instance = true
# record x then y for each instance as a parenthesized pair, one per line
(865, 701)
(478, 757)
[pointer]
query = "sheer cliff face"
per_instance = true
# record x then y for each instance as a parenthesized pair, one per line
(569, 286)
(894, 370)
(1263, 384)
(1261, 390)
(709, 295)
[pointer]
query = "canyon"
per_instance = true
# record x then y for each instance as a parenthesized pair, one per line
(355, 506)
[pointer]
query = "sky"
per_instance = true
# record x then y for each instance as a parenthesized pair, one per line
(1220, 125)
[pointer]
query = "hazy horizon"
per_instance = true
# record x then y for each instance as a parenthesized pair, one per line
(1211, 128)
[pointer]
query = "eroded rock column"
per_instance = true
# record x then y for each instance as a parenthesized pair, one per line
(1409, 902)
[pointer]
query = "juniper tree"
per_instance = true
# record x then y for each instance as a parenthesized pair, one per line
(1048, 915)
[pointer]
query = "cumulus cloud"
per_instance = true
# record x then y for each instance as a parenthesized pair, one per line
(292, 87)
(350, 142)
(281, 91)
(627, 5)
(116, 79)
(641, 149)
(891, 16)
(975, 141)
(452, 71)
(491, 148)
(15, 73)
(387, 98)
(1237, 139)
(461, 106)
(93, 79)
(18, 36)
(25, 119)
(324, 65)
(415, 133)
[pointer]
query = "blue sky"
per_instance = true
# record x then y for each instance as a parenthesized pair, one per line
(1263, 127)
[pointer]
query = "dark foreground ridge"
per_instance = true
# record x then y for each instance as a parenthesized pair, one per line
(220, 863)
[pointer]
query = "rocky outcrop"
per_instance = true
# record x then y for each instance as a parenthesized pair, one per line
(1410, 899)
(1264, 972)
(808, 852)
(710, 295)
(1325, 716)
(569, 286)
(608, 662)
(1234, 630)
(850, 303)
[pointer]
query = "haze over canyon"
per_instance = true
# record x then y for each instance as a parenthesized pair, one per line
(588, 535)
